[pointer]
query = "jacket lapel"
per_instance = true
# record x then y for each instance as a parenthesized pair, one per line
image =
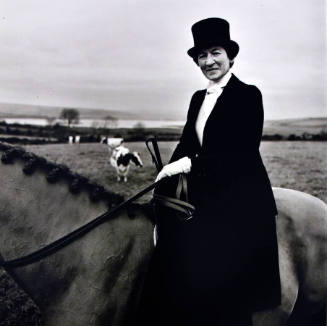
(232, 83)
(218, 109)
(193, 117)
(198, 104)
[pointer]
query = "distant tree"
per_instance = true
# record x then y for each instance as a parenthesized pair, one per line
(71, 115)
(323, 134)
(292, 137)
(110, 121)
(139, 125)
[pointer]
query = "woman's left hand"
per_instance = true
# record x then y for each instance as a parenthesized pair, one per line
(183, 165)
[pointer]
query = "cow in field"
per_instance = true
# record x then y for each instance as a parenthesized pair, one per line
(74, 139)
(121, 159)
(111, 142)
(77, 139)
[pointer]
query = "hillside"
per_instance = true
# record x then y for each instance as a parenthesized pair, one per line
(10, 110)
(283, 127)
(295, 126)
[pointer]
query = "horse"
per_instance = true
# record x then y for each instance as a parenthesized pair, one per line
(96, 280)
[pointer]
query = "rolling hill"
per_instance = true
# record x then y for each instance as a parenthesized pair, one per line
(299, 126)
(285, 127)
(10, 110)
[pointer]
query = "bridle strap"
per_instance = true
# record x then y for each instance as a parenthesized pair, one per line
(175, 201)
(180, 203)
(72, 236)
(182, 189)
(167, 202)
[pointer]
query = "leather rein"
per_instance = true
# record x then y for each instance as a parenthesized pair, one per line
(72, 236)
(175, 203)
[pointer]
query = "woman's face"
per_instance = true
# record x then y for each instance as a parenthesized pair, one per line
(214, 62)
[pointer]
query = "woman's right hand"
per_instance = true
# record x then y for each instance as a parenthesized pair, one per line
(183, 165)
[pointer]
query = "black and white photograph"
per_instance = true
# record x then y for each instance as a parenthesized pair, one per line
(163, 163)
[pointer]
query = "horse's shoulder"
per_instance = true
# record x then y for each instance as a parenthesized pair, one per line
(300, 202)
(302, 219)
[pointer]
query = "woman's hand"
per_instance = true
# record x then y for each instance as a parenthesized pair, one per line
(183, 165)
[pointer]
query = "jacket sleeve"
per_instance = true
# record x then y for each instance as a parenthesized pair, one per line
(238, 149)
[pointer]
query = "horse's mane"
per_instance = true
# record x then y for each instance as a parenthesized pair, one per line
(55, 172)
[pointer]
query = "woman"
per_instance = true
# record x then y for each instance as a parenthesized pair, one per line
(220, 266)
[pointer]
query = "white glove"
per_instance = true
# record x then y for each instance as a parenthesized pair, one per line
(183, 165)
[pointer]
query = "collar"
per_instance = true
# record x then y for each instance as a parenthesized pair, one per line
(221, 83)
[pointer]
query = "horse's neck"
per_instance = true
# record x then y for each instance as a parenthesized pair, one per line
(89, 274)
(35, 212)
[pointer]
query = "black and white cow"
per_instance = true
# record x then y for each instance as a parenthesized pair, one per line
(111, 142)
(121, 159)
(74, 139)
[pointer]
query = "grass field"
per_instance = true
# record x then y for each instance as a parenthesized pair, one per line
(287, 127)
(296, 165)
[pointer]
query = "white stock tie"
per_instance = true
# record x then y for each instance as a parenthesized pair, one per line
(208, 104)
(214, 89)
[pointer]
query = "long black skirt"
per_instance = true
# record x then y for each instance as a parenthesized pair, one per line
(208, 271)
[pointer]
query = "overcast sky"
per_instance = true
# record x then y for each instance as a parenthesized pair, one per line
(130, 55)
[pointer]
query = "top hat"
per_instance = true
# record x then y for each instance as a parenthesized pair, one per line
(212, 32)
